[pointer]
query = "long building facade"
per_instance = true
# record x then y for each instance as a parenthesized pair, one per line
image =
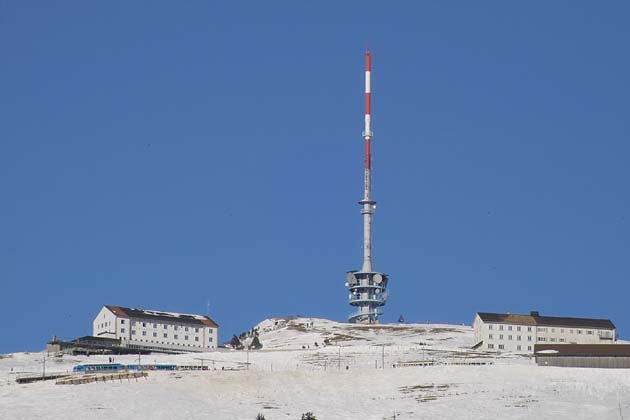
(156, 329)
(611, 356)
(520, 333)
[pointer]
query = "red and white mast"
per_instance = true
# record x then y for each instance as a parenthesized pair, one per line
(367, 288)
(367, 204)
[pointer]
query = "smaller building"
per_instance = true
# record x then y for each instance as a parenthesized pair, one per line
(520, 333)
(611, 356)
(156, 330)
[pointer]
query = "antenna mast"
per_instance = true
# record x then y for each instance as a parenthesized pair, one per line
(367, 288)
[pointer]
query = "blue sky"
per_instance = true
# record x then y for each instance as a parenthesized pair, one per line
(165, 155)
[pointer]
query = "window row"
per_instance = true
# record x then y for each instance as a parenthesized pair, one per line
(509, 327)
(562, 330)
(502, 327)
(509, 337)
(164, 326)
(169, 343)
(165, 335)
(502, 347)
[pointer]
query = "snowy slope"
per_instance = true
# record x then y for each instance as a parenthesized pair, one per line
(343, 380)
(287, 333)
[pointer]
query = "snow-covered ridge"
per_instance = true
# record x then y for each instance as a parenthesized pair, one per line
(298, 333)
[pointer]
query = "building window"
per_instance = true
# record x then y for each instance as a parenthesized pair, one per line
(541, 329)
(144, 333)
(211, 339)
(122, 330)
(579, 331)
(186, 329)
(590, 332)
(518, 338)
(165, 335)
(529, 348)
(489, 326)
(490, 346)
(197, 330)
(509, 328)
(489, 336)
(165, 326)
(501, 347)
(196, 338)
(144, 324)
(154, 334)
(186, 337)
(176, 328)
(518, 348)
(529, 328)
(122, 321)
(500, 336)
(529, 338)
(509, 337)
(175, 336)
(542, 339)
(518, 328)
(501, 327)
(562, 340)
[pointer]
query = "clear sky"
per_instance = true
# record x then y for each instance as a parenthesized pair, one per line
(165, 155)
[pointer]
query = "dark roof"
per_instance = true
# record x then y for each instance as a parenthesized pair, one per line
(151, 315)
(575, 322)
(507, 318)
(87, 339)
(546, 321)
(554, 350)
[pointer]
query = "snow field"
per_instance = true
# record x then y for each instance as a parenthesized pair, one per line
(283, 381)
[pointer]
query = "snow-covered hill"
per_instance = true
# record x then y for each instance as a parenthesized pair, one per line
(295, 333)
(347, 375)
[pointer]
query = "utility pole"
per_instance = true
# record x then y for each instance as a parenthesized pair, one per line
(339, 358)
(383, 357)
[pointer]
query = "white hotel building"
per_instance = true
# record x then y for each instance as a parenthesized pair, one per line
(156, 329)
(519, 333)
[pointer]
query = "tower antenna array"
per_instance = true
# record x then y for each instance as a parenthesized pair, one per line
(367, 288)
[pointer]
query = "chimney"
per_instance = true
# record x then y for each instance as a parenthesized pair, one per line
(534, 313)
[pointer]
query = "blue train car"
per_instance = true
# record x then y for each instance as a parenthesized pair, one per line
(152, 367)
(104, 367)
